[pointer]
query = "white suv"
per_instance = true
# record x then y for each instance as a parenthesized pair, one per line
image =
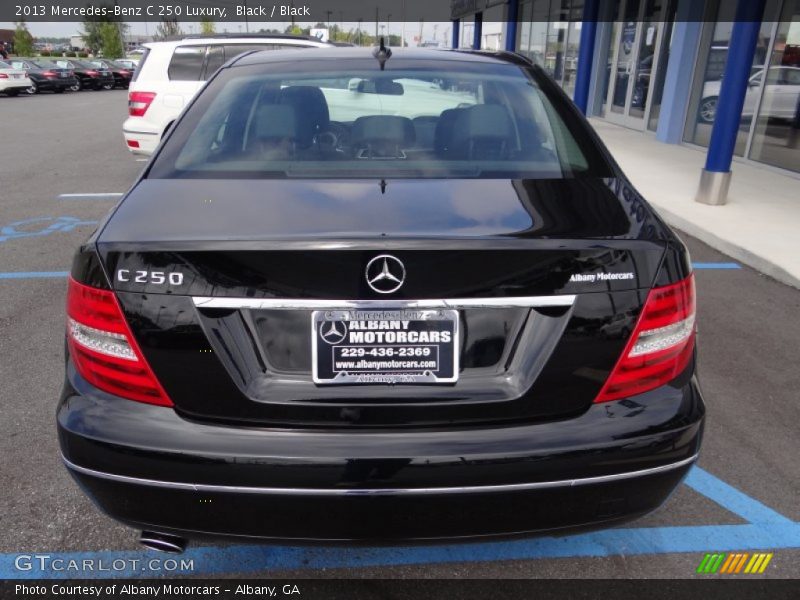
(171, 73)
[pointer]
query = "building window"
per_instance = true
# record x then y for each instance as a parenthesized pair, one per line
(550, 32)
(776, 139)
(703, 107)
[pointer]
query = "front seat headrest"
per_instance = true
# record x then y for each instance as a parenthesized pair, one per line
(310, 102)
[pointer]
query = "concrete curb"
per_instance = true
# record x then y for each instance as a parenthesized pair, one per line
(759, 263)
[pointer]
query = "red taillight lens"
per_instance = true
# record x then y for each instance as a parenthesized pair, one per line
(92, 73)
(133, 144)
(104, 350)
(660, 346)
(49, 74)
(139, 102)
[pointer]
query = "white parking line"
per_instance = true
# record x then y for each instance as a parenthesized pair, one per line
(142, 159)
(90, 195)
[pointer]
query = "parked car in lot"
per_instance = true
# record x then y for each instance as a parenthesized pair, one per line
(780, 99)
(45, 76)
(89, 76)
(128, 63)
(122, 73)
(328, 325)
(12, 81)
(171, 73)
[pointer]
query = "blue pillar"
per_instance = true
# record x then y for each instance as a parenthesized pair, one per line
(735, 78)
(456, 24)
(477, 31)
(511, 25)
(583, 77)
(715, 178)
(686, 33)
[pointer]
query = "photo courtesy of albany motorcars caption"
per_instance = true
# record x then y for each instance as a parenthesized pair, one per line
(359, 295)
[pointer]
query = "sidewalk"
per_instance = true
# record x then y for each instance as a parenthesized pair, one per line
(760, 224)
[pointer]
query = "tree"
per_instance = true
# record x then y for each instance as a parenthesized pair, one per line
(111, 40)
(23, 40)
(104, 34)
(92, 34)
(207, 26)
(168, 28)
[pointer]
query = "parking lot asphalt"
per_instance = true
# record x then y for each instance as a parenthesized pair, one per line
(743, 497)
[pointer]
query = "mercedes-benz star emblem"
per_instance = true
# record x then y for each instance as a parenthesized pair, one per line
(385, 274)
(333, 332)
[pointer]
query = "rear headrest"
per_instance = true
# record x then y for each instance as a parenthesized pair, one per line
(309, 102)
(275, 122)
(445, 130)
(383, 129)
(425, 129)
(483, 121)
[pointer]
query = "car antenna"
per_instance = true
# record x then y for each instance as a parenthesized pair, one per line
(382, 53)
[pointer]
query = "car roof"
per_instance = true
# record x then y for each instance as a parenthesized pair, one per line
(344, 52)
(231, 39)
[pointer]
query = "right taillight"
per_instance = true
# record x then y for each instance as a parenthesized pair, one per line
(103, 348)
(660, 346)
(139, 102)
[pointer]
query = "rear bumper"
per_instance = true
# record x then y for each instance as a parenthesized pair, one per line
(14, 84)
(61, 83)
(140, 137)
(151, 469)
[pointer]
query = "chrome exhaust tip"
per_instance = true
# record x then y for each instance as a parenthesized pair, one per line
(162, 542)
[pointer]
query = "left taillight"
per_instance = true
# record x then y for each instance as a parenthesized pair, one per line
(103, 348)
(660, 346)
(139, 102)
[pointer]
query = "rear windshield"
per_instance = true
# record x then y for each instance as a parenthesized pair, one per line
(488, 121)
(140, 64)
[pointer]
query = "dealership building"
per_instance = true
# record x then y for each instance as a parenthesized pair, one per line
(721, 74)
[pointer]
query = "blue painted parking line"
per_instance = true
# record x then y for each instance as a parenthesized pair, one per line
(33, 274)
(716, 265)
(768, 530)
(40, 226)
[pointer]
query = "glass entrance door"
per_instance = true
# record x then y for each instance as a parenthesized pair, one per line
(635, 61)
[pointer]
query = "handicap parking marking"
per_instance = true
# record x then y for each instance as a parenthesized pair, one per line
(33, 274)
(716, 265)
(766, 529)
(40, 226)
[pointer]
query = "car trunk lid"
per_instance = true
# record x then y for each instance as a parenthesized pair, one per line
(546, 279)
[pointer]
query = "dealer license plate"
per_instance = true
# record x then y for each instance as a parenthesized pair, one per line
(384, 346)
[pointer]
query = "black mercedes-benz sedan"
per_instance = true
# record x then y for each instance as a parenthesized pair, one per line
(87, 75)
(45, 75)
(362, 296)
(121, 73)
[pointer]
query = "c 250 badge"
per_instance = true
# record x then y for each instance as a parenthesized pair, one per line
(152, 277)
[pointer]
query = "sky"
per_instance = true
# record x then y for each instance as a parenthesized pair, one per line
(441, 30)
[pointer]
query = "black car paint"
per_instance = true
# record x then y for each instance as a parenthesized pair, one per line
(353, 446)
(122, 75)
(102, 79)
(63, 80)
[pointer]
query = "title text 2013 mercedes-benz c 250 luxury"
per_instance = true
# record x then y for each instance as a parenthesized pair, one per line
(376, 297)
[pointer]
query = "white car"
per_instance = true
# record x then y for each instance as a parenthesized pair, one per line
(13, 81)
(780, 101)
(171, 73)
(130, 63)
